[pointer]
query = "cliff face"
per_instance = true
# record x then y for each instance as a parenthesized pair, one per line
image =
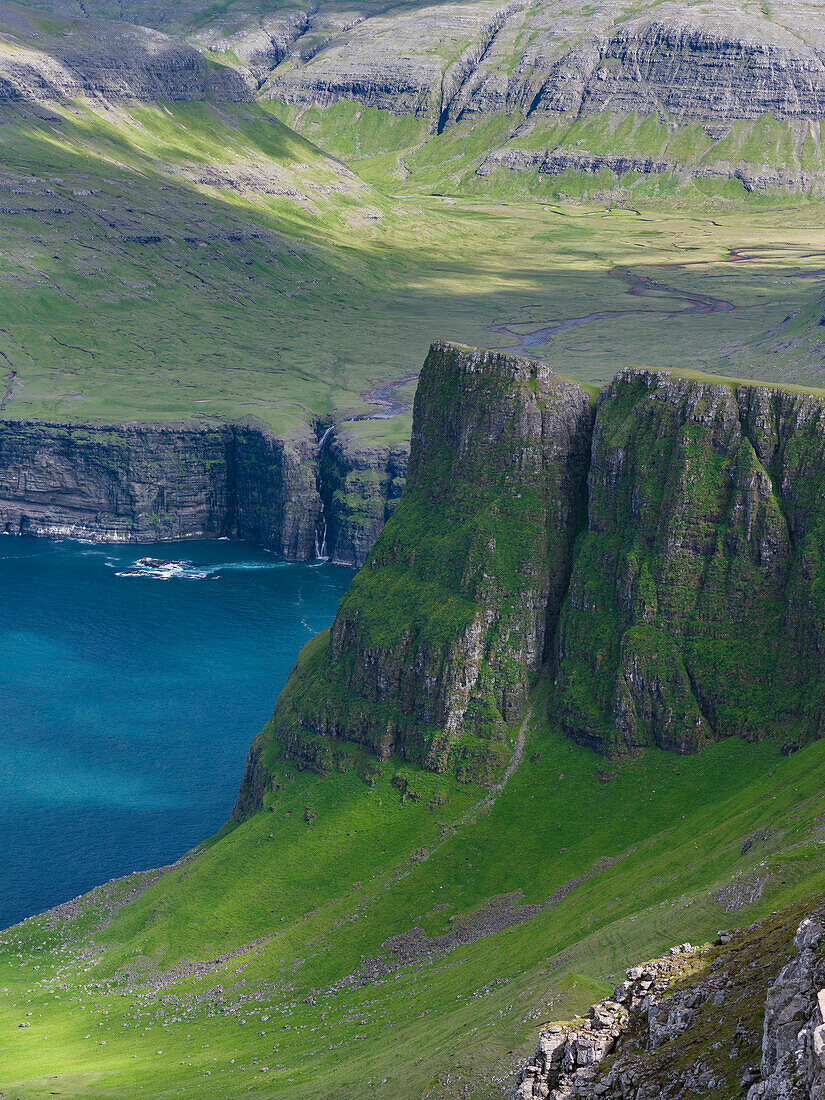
(616, 90)
(444, 630)
(93, 58)
(677, 597)
(695, 607)
(742, 1018)
(685, 63)
(118, 483)
(140, 482)
(360, 487)
(273, 499)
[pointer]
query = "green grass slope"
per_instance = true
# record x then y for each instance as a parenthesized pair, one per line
(266, 966)
(610, 156)
(202, 260)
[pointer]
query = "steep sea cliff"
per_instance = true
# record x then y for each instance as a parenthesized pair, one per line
(658, 559)
(150, 482)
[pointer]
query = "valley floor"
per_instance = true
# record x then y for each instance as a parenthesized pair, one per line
(188, 261)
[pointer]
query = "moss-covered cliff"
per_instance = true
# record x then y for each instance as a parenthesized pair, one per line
(442, 632)
(696, 606)
(676, 597)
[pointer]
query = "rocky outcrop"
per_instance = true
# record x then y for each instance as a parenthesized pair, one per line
(556, 162)
(138, 482)
(445, 629)
(97, 59)
(360, 486)
(567, 1060)
(695, 608)
(694, 1023)
(793, 1047)
(682, 602)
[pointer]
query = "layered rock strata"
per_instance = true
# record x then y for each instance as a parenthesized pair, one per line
(42, 60)
(681, 64)
(139, 482)
(677, 597)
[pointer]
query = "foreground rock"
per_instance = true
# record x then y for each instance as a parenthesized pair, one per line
(709, 1022)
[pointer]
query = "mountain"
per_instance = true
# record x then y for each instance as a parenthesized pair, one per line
(402, 915)
(570, 711)
(627, 99)
(176, 255)
(661, 558)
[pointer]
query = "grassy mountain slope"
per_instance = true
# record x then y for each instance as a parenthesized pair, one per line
(378, 929)
(616, 863)
(271, 280)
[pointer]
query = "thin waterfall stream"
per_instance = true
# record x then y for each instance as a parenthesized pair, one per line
(321, 551)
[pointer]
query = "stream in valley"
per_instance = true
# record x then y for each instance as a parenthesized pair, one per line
(129, 695)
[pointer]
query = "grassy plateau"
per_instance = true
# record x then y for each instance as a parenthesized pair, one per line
(266, 965)
(186, 260)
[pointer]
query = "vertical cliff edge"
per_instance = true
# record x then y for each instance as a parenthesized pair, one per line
(696, 606)
(155, 482)
(443, 632)
(663, 563)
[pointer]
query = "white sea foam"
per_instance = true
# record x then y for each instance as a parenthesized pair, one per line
(162, 570)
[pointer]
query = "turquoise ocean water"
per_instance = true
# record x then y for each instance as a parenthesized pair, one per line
(128, 699)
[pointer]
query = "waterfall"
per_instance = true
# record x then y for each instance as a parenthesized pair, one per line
(323, 440)
(321, 552)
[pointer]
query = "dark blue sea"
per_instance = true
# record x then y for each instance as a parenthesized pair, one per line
(129, 696)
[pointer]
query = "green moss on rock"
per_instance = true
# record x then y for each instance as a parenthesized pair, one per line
(444, 630)
(695, 608)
